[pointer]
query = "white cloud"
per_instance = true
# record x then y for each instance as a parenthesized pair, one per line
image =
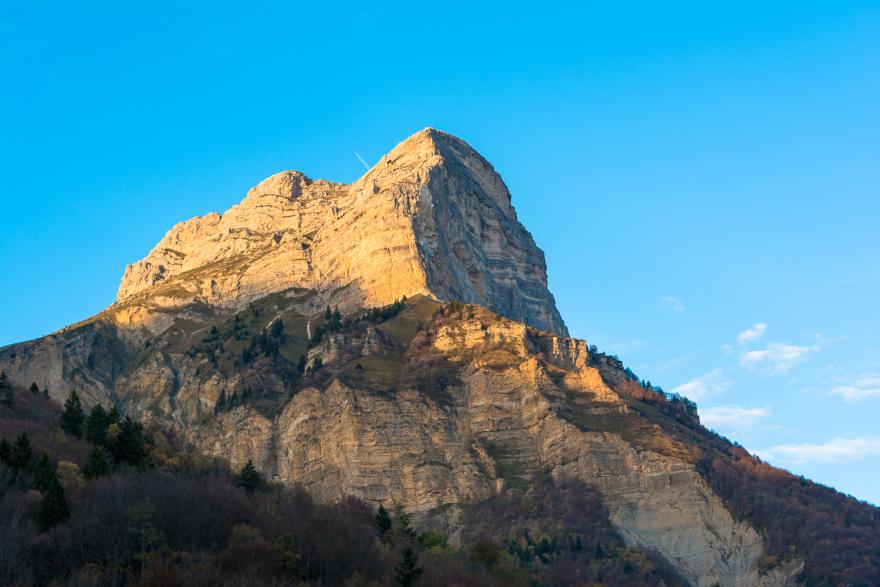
(777, 357)
(732, 417)
(726, 349)
(673, 303)
(753, 333)
(699, 388)
(860, 389)
(833, 451)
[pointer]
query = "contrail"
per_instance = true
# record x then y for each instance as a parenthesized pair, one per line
(361, 159)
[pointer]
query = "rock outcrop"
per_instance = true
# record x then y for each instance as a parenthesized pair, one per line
(432, 217)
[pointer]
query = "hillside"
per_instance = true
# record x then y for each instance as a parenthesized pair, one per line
(176, 518)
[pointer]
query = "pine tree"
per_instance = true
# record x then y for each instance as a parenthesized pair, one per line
(129, 447)
(96, 464)
(53, 508)
(328, 314)
(45, 392)
(383, 521)
(7, 397)
(21, 454)
(34, 388)
(407, 570)
(5, 452)
(249, 478)
(301, 365)
(96, 425)
(43, 474)
(73, 418)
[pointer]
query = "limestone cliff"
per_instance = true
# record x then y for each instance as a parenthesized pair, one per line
(432, 217)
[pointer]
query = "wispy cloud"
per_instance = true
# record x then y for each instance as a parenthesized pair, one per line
(859, 389)
(753, 333)
(732, 417)
(699, 388)
(673, 303)
(833, 451)
(777, 357)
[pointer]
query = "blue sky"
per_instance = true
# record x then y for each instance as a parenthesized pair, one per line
(703, 177)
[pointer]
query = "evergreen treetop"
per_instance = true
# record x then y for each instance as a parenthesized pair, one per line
(96, 464)
(22, 452)
(407, 570)
(73, 417)
(43, 473)
(383, 521)
(53, 508)
(249, 478)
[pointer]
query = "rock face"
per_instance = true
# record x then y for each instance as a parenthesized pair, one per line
(432, 217)
(426, 406)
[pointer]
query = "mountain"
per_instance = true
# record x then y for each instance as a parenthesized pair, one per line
(395, 340)
(432, 217)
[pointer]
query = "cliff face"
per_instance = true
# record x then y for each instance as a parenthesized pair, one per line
(426, 406)
(432, 217)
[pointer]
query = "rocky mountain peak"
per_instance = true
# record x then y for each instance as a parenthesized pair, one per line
(431, 217)
(287, 184)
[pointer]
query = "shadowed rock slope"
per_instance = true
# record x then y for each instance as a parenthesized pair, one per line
(226, 333)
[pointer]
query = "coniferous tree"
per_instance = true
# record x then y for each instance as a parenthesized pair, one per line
(22, 452)
(5, 452)
(129, 447)
(96, 464)
(34, 388)
(73, 418)
(301, 365)
(43, 473)
(113, 416)
(96, 425)
(53, 508)
(45, 392)
(328, 314)
(383, 521)
(249, 478)
(407, 570)
(7, 396)
(277, 330)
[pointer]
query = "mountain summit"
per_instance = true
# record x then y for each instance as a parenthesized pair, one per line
(431, 217)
